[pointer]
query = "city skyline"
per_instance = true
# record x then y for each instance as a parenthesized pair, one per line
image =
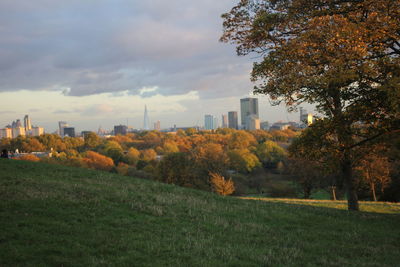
(106, 76)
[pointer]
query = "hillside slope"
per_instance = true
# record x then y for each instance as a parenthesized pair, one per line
(55, 215)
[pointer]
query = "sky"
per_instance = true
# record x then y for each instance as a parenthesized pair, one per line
(99, 62)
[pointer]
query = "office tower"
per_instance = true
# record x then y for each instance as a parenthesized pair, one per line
(303, 115)
(215, 124)
(306, 119)
(37, 131)
(6, 133)
(224, 121)
(17, 131)
(146, 121)
(69, 131)
(157, 126)
(248, 107)
(61, 126)
(233, 120)
(27, 123)
(120, 130)
(209, 122)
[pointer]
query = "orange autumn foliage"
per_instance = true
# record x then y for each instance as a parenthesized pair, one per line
(220, 185)
(29, 157)
(97, 161)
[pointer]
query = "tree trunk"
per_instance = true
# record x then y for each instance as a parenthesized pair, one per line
(349, 182)
(333, 189)
(373, 191)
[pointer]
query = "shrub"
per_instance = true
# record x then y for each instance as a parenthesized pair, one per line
(220, 185)
(29, 157)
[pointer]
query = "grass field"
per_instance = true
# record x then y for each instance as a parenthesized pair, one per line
(55, 215)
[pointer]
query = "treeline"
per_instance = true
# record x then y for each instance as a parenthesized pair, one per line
(226, 161)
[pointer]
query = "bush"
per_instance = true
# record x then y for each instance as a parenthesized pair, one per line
(220, 185)
(28, 157)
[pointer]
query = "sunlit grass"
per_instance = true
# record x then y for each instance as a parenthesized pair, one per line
(366, 206)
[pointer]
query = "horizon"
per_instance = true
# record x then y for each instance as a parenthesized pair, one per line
(93, 65)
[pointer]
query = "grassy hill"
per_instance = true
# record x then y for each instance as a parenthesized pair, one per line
(55, 215)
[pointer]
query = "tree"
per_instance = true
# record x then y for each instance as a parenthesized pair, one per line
(342, 56)
(243, 160)
(92, 140)
(374, 168)
(148, 155)
(132, 156)
(97, 161)
(176, 168)
(210, 157)
(220, 185)
(270, 153)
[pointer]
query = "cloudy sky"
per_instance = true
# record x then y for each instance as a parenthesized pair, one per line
(98, 62)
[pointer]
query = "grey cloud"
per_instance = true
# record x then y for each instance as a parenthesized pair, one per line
(101, 46)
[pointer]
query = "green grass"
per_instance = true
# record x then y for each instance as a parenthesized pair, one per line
(55, 215)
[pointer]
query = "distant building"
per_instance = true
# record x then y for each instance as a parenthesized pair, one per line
(100, 131)
(306, 119)
(280, 126)
(157, 126)
(233, 120)
(37, 131)
(69, 131)
(146, 121)
(27, 124)
(224, 121)
(6, 133)
(252, 123)
(120, 130)
(61, 126)
(17, 131)
(248, 107)
(264, 125)
(210, 122)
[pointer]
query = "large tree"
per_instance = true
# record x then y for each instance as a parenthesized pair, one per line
(341, 55)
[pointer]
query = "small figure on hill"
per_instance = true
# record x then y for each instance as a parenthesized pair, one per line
(4, 154)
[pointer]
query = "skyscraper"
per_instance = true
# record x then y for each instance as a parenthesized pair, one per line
(224, 121)
(69, 131)
(248, 107)
(146, 121)
(210, 122)
(306, 119)
(27, 123)
(233, 120)
(61, 126)
(120, 130)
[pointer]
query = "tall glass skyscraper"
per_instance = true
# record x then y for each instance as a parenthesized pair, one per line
(248, 107)
(233, 120)
(210, 122)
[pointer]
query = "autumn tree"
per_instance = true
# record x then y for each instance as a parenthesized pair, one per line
(341, 56)
(242, 160)
(92, 140)
(97, 161)
(270, 153)
(220, 185)
(176, 168)
(132, 156)
(375, 169)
